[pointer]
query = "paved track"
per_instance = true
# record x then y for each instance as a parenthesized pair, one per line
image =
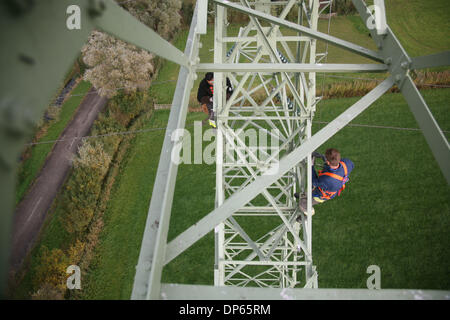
(32, 210)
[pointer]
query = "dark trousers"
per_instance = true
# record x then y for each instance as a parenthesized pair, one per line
(208, 109)
(303, 203)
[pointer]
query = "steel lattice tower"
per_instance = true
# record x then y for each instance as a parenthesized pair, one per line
(281, 106)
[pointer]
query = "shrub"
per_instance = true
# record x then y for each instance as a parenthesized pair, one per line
(51, 270)
(48, 292)
(344, 7)
(84, 186)
(50, 274)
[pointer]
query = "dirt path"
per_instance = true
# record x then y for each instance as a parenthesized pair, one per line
(32, 210)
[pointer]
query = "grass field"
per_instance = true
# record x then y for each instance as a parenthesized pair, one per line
(421, 26)
(413, 21)
(30, 167)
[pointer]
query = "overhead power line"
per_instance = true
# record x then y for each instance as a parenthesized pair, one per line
(164, 128)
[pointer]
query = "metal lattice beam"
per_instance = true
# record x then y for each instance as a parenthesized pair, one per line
(39, 44)
(194, 292)
(238, 200)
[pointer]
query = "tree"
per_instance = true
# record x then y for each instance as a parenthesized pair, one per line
(160, 15)
(114, 64)
(84, 186)
(92, 155)
(51, 273)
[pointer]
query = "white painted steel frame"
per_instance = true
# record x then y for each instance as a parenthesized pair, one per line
(199, 292)
(147, 281)
(282, 259)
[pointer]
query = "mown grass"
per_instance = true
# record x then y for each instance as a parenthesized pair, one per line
(31, 166)
(420, 26)
(396, 211)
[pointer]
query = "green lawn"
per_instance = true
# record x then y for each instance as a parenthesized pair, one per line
(29, 168)
(421, 26)
(414, 22)
(396, 210)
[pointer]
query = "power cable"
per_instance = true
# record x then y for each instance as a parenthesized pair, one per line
(164, 128)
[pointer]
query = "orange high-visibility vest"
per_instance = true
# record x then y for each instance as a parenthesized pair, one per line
(328, 194)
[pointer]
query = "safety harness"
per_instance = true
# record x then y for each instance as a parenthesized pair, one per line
(328, 194)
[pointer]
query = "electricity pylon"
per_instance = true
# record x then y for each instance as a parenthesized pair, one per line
(43, 44)
(262, 244)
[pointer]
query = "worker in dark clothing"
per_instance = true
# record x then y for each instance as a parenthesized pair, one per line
(205, 95)
(330, 181)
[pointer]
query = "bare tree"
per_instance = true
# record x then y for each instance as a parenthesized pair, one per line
(160, 15)
(115, 64)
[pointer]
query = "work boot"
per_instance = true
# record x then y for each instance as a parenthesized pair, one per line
(304, 208)
(212, 121)
(299, 217)
(306, 212)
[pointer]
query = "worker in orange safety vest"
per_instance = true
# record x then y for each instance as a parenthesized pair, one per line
(330, 181)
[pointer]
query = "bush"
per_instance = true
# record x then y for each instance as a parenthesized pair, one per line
(187, 11)
(50, 274)
(51, 270)
(344, 7)
(48, 292)
(84, 186)
(125, 107)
